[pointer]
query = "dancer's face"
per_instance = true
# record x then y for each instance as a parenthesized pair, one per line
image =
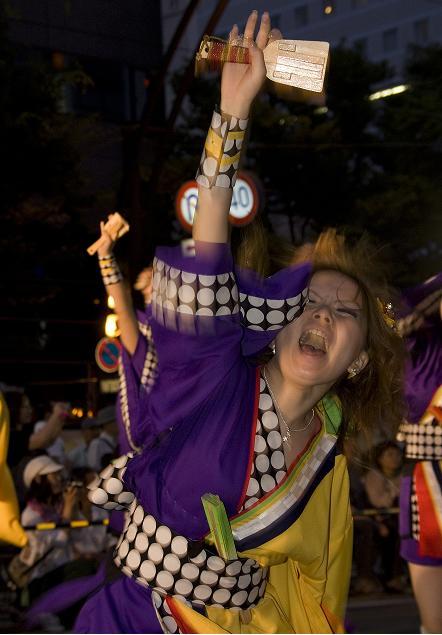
(329, 337)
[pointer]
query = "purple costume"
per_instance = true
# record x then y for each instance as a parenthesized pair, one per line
(208, 323)
(137, 374)
(421, 486)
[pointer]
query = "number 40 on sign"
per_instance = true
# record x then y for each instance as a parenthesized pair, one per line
(243, 209)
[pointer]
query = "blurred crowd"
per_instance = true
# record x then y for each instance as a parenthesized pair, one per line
(374, 497)
(52, 462)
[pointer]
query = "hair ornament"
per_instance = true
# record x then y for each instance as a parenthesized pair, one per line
(386, 309)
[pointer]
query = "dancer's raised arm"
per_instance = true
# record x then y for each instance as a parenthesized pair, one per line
(115, 286)
(219, 163)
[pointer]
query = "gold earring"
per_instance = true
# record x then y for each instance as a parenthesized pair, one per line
(351, 373)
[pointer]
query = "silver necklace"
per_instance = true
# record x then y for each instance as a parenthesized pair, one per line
(288, 434)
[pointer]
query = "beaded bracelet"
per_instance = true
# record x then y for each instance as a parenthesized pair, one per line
(110, 270)
(222, 151)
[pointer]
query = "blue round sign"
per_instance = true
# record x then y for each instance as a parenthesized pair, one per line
(107, 354)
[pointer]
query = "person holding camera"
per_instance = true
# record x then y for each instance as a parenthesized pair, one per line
(50, 556)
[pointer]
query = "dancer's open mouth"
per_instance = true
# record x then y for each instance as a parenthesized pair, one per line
(313, 342)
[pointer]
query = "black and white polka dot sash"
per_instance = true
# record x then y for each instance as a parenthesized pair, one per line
(107, 490)
(423, 440)
(155, 556)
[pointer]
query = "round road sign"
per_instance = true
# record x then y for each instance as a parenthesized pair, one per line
(243, 209)
(185, 204)
(245, 200)
(107, 353)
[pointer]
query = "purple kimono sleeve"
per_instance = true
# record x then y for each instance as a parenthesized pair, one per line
(137, 374)
(196, 329)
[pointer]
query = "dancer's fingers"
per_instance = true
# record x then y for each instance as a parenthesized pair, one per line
(102, 227)
(233, 35)
(257, 64)
(264, 30)
(249, 31)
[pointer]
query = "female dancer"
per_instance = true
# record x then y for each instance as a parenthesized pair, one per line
(262, 438)
(421, 487)
(137, 369)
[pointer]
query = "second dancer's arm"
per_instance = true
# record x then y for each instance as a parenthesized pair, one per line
(116, 287)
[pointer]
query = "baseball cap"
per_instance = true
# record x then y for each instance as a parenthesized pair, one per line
(40, 465)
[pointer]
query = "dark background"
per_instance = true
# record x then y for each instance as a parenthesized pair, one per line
(83, 132)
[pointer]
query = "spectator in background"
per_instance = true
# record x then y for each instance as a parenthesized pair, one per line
(48, 430)
(49, 555)
(21, 416)
(27, 441)
(364, 527)
(56, 556)
(382, 483)
(103, 449)
(78, 456)
(382, 488)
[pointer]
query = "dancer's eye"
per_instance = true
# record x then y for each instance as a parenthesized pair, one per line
(347, 311)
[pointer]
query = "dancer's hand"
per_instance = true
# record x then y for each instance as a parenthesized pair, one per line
(241, 83)
(106, 243)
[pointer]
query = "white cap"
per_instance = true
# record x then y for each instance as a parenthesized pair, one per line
(40, 465)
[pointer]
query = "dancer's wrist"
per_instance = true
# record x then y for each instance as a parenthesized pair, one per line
(109, 269)
(240, 110)
(105, 253)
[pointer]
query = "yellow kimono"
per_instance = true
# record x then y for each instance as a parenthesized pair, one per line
(309, 562)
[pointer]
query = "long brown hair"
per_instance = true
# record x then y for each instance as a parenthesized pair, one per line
(254, 247)
(373, 399)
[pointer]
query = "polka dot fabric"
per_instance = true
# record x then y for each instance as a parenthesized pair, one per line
(268, 468)
(150, 370)
(148, 377)
(107, 490)
(179, 294)
(423, 440)
(155, 556)
(415, 524)
(221, 154)
(260, 314)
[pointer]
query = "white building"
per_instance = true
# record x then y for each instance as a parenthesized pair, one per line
(383, 29)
